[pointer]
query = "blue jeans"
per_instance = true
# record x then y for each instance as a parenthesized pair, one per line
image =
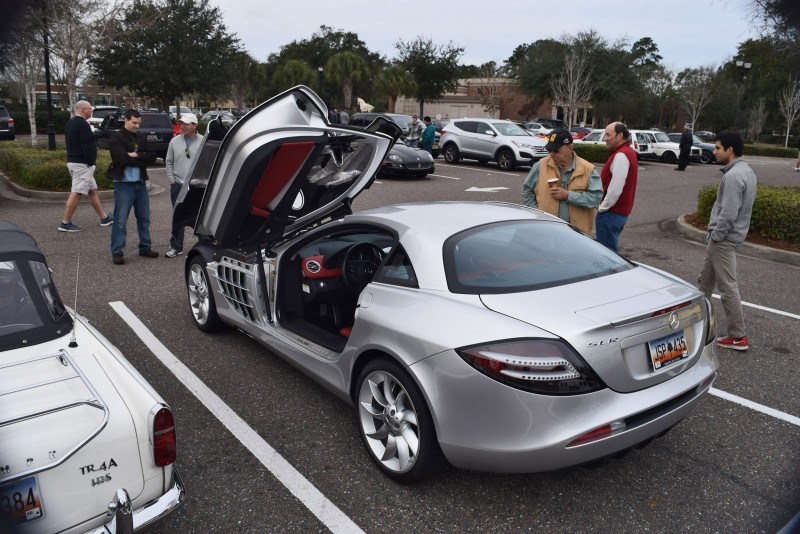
(129, 195)
(176, 239)
(413, 143)
(608, 226)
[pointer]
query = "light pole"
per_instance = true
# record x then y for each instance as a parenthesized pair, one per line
(319, 81)
(742, 67)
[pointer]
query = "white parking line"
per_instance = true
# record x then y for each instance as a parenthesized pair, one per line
(764, 308)
(755, 406)
(327, 512)
(484, 170)
(443, 176)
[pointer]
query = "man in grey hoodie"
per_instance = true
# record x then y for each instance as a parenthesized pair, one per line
(727, 229)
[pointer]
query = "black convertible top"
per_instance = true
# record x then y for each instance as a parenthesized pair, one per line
(13, 240)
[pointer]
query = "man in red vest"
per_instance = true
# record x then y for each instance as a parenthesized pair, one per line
(619, 177)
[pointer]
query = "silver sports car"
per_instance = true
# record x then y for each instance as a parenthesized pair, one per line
(488, 336)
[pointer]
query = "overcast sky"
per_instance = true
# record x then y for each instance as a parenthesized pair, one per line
(689, 33)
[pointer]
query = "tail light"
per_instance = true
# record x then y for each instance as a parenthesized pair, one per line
(542, 366)
(163, 438)
(10, 121)
(711, 323)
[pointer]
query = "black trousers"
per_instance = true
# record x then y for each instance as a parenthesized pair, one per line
(683, 158)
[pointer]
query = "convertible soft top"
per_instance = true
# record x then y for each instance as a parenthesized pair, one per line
(13, 240)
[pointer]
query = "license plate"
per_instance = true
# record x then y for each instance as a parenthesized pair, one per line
(20, 501)
(668, 350)
(435, 146)
(152, 137)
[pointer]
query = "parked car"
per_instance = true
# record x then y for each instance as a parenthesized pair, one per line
(661, 148)
(579, 132)
(173, 111)
(594, 137)
(405, 161)
(226, 117)
(362, 120)
(86, 443)
(551, 123)
(639, 141)
(488, 335)
(99, 113)
(707, 155)
(156, 126)
(491, 140)
(7, 129)
(537, 128)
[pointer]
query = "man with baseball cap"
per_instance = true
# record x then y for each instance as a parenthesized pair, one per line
(180, 153)
(564, 184)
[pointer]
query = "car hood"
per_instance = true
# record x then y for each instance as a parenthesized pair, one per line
(283, 167)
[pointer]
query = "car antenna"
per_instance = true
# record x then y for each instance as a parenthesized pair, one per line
(72, 342)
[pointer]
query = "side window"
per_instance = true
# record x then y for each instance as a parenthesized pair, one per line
(397, 270)
(467, 126)
(482, 128)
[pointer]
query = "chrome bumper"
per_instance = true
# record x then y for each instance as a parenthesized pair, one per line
(125, 520)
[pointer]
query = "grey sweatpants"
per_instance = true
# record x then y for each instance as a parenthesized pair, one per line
(719, 270)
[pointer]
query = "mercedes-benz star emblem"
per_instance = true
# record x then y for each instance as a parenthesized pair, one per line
(674, 322)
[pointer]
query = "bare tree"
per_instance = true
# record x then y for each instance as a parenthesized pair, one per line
(695, 89)
(758, 117)
(493, 90)
(573, 87)
(24, 66)
(77, 30)
(789, 105)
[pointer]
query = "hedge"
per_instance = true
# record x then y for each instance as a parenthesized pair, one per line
(40, 169)
(23, 126)
(591, 152)
(776, 211)
(771, 151)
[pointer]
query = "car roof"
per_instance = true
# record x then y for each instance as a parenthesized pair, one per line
(13, 240)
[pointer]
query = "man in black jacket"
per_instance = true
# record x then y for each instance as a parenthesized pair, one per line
(81, 159)
(129, 159)
(685, 145)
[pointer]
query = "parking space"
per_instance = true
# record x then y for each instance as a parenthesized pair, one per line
(728, 467)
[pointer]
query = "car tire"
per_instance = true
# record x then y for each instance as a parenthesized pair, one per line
(707, 157)
(395, 423)
(201, 296)
(669, 157)
(505, 160)
(451, 154)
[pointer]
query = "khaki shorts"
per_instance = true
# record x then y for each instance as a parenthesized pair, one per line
(82, 177)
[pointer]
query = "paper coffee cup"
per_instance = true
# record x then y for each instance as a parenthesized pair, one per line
(552, 183)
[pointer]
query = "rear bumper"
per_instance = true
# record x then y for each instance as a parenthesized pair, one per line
(124, 521)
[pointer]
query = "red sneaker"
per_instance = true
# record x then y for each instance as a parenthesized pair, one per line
(735, 343)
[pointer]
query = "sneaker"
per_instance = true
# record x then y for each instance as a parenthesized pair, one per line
(68, 227)
(107, 220)
(149, 253)
(118, 260)
(797, 169)
(171, 253)
(735, 343)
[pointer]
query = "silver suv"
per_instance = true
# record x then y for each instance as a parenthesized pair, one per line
(502, 141)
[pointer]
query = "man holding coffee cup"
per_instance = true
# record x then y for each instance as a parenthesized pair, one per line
(564, 184)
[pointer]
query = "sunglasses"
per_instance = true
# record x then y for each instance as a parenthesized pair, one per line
(187, 153)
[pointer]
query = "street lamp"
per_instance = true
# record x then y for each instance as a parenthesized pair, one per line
(319, 80)
(742, 67)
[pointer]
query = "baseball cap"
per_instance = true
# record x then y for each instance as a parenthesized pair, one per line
(557, 139)
(188, 118)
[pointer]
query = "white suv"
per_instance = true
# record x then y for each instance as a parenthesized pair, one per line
(502, 141)
(662, 148)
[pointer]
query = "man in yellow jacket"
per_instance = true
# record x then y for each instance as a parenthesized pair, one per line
(564, 184)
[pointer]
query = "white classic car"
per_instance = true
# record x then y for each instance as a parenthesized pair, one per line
(86, 444)
(663, 149)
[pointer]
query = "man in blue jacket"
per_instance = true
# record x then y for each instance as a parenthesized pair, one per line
(81, 159)
(727, 229)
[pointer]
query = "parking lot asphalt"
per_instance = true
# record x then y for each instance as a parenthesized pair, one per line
(728, 467)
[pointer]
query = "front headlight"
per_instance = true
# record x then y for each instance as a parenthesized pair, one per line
(542, 366)
(395, 159)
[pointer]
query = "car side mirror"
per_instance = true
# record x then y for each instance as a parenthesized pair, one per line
(490, 132)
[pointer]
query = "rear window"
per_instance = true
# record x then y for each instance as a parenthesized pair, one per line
(3, 112)
(156, 121)
(516, 256)
(102, 113)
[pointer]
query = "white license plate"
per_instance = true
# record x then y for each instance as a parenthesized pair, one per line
(20, 501)
(152, 137)
(668, 350)
(435, 146)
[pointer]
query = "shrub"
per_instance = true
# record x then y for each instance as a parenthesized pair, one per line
(776, 211)
(591, 152)
(770, 151)
(23, 125)
(45, 170)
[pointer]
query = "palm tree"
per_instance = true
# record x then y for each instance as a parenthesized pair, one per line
(293, 72)
(394, 81)
(345, 68)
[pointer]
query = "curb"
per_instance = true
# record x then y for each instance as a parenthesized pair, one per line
(14, 191)
(750, 249)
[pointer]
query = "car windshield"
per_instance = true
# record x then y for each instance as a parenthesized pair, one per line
(661, 137)
(102, 113)
(402, 122)
(516, 256)
(696, 140)
(509, 128)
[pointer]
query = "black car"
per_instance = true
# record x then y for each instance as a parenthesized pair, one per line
(553, 124)
(403, 161)
(7, 130)
(156, 126)
(707, 148)
(362, 120)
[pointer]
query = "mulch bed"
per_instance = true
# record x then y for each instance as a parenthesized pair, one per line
(752, 238)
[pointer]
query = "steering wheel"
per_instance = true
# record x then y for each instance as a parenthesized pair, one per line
(359, 265)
